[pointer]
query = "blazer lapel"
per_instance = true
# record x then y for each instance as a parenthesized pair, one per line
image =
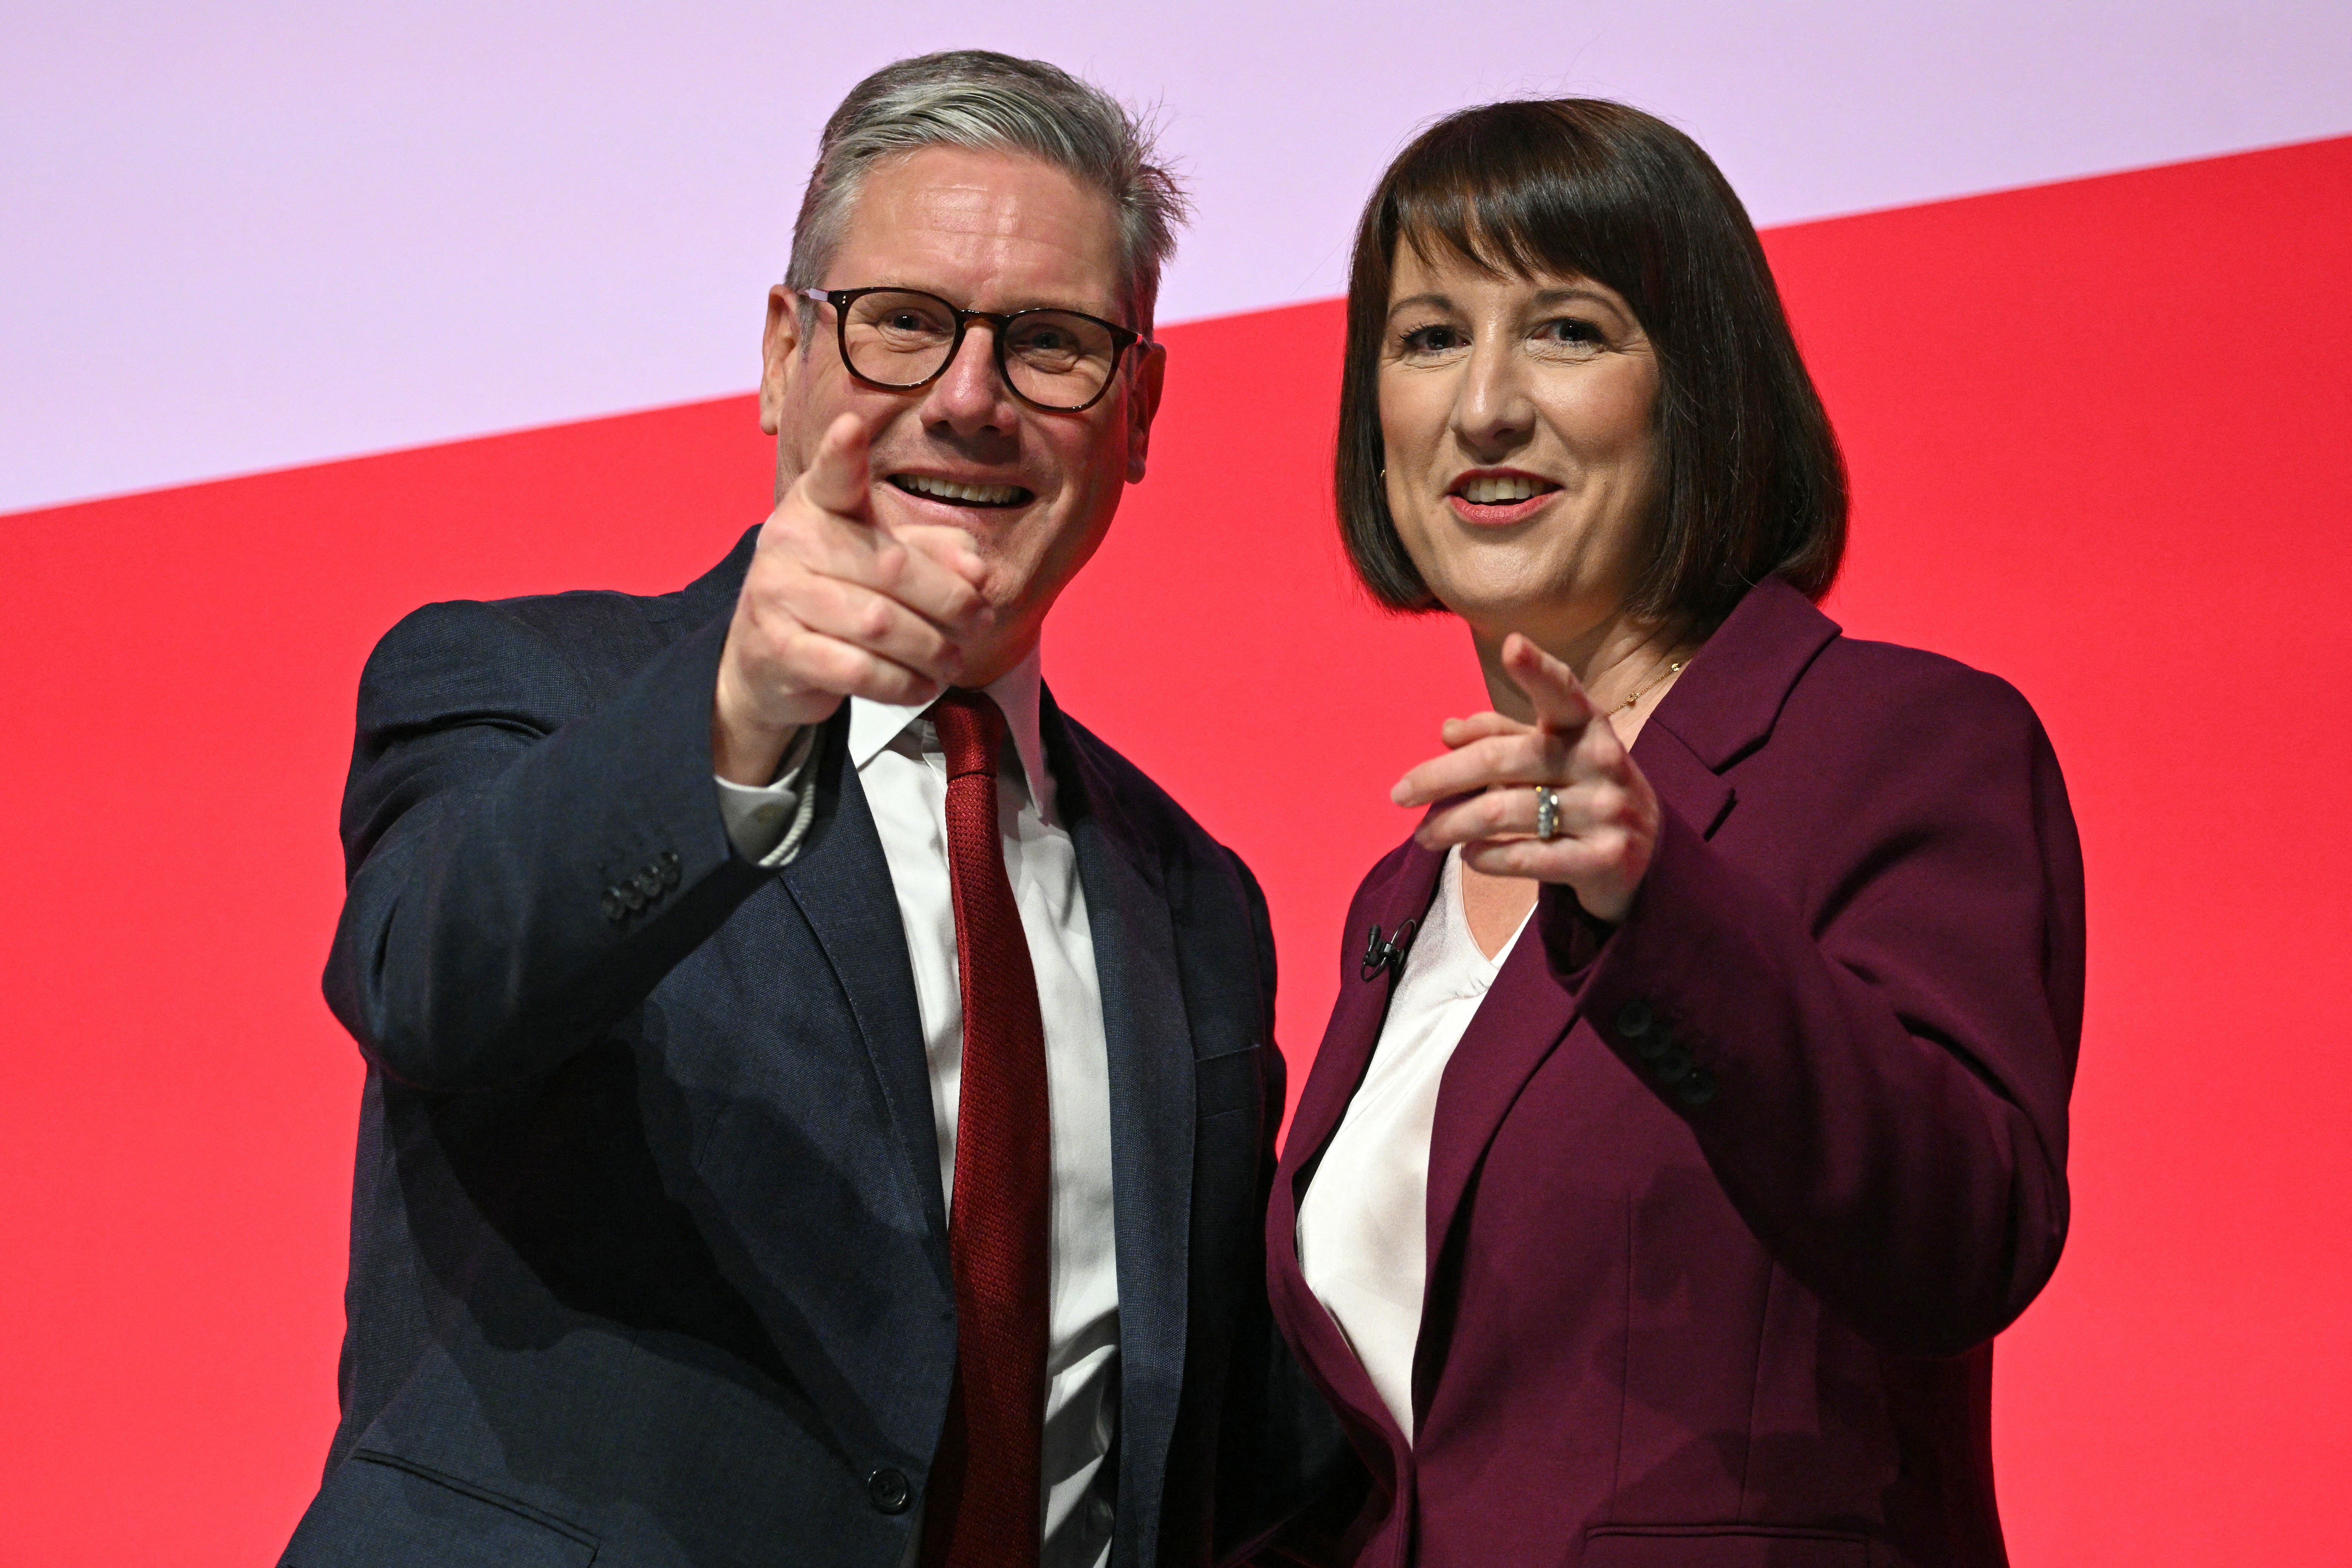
(1147, 1038)
(1685, 785)
(1397, 893)
(1726, 702)
(842, 885)
(1329, 1361)
(1722, 707)
(1525, 1014)
(1355, 1027)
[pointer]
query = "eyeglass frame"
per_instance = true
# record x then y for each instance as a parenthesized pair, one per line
(1121, 339)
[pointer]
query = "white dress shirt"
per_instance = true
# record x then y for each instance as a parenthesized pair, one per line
(1363, 1227)
(903, 773)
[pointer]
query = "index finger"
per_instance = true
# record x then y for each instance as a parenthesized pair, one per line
(1561, 706)
(839, 478)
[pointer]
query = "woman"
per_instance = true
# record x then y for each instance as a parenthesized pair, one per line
(1693, 1112)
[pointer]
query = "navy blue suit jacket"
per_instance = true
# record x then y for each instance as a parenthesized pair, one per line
(649, 1259)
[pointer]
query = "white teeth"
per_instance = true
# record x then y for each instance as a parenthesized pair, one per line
(1502, 491)
(948, 490)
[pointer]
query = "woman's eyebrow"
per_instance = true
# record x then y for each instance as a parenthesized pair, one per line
(1437, 301)
(1571, 294)
(1562, 296)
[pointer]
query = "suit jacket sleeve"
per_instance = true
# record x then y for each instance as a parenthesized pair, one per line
(494, 807)
(1877, 1071)
(1287, 1481)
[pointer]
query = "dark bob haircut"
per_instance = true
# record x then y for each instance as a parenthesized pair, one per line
(1750, 482)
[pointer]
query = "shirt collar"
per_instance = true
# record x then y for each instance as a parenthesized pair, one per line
(874, 725)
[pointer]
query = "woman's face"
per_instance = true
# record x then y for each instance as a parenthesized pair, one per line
(1517, 417)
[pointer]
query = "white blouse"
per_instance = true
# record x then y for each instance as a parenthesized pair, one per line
(1363, 1226)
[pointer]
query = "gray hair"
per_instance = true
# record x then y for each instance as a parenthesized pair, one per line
(991, 103)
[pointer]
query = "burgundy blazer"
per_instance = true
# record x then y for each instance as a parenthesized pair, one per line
(1726, 1203)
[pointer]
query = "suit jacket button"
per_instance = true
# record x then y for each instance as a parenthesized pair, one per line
(649, 882)
(1696, 1090)
(1635, 1018)
(632, 895)
(1654, 1045)
(615, 910)
(888, 1492)
(1675, 1066)
(667, 865)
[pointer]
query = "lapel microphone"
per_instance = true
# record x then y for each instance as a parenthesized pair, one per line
(1380, 954)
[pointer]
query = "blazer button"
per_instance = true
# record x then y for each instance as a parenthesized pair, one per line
(668, 868)
(615, 910)
(632, 895)
(888, 1492)
(1654, 1045)
(649, 882)
(1696, 1090)
(1635, 1018)
(1675, 1066)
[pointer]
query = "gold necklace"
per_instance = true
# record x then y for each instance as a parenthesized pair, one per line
(1652, 683)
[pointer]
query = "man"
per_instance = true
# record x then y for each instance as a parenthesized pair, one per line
(859, 1156)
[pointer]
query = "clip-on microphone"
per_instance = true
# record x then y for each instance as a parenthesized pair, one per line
(1380, 954)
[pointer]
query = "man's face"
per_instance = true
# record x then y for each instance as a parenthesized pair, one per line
(987, 231)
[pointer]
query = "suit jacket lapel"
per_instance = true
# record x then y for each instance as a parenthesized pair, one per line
(841, 882)
(1147, 1038)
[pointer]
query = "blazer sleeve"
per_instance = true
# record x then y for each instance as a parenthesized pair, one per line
(524, 863)
(1877, 1072)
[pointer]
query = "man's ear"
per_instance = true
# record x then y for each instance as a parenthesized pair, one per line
(1143, 406)
(778, 355)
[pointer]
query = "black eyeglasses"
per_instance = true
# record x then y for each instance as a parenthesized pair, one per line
(902, 339)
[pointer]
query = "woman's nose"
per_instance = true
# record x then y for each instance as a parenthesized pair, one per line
(1493, 411)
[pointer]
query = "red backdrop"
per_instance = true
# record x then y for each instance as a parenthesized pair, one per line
(2097, 433)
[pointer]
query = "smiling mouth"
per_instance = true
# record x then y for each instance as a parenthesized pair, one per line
(1502, 490)
(955, 494)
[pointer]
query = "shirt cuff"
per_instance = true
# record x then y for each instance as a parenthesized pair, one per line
(766, 823)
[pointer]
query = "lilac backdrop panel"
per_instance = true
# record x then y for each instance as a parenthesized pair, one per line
(240, 236)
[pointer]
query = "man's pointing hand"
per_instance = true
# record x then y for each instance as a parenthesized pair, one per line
(836, 605)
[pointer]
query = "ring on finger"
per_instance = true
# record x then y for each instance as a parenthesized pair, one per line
(1547, 811)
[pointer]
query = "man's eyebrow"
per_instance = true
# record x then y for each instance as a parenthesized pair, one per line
(1036, 301)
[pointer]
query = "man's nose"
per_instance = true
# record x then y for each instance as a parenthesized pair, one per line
(971, 397)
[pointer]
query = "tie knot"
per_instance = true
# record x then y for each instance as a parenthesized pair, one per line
(971, 731)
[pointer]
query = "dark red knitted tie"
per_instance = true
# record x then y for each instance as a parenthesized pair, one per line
(985, 1509)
